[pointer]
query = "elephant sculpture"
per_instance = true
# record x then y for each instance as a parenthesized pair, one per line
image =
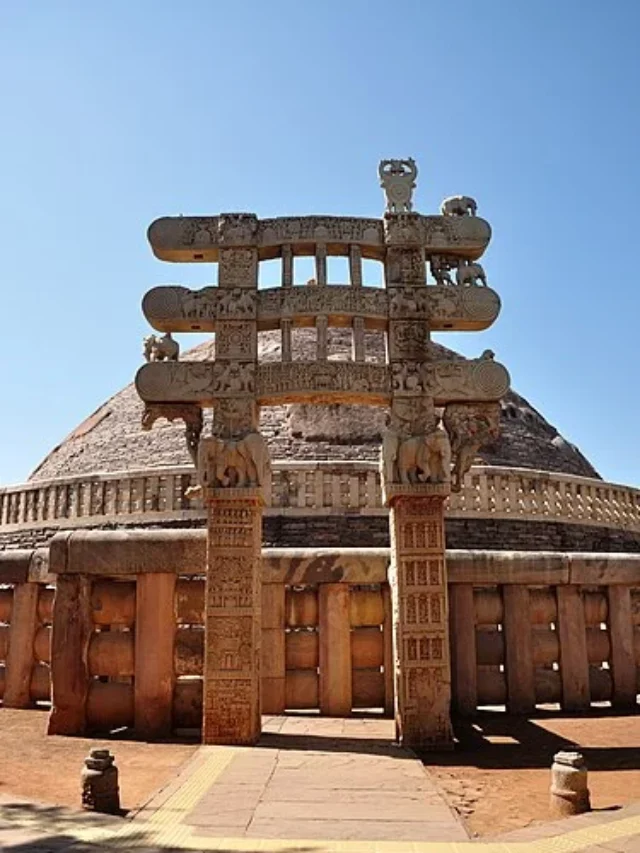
(234, 463)
(459, 205)
(419, 459)
(161, 349)
(469, 273)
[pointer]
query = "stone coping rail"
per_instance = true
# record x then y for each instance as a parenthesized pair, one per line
(157, 495)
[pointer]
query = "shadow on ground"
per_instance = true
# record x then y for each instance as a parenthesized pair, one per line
(494, 740)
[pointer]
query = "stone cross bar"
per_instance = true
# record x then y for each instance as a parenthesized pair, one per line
(178, 309)
(201, 238)
(274, 383)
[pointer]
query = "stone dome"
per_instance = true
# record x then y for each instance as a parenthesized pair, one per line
(111, 439)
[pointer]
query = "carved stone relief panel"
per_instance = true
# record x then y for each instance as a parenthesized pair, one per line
(408, 339)
(238, 268)
(331, 381)
(405, 266)
(237, 339)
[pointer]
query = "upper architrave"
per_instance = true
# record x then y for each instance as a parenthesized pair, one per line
(199, 239)
(179, 309)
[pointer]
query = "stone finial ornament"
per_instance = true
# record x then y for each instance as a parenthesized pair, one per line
(161, 349)
(99, 778)
(459, 205)
(398, 180)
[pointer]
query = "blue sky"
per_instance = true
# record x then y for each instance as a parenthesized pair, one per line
(118, 112)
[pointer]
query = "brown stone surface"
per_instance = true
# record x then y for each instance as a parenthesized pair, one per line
(47, 768)
(498, 776)
(325, 778)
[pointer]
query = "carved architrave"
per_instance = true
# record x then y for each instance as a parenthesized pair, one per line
(201, 382)
(339, 302)
(480, 379)
(328, 381)
(178, 309)
(190, 414)
(200, 238)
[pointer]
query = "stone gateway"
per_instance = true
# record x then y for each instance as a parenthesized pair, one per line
(440, 413)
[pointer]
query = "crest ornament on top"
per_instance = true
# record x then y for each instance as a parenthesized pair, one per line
(398, 180)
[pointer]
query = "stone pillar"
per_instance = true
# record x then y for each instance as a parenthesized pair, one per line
(233, 469)
(419, 592)
(231, 705)
(416, 479)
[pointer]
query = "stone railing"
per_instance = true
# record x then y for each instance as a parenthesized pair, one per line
(316, 488)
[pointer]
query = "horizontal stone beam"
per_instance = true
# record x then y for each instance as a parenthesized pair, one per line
(273, 383)
(119, 553)
(128, 552)
(21, 565)
(200, 238)
(178, 309)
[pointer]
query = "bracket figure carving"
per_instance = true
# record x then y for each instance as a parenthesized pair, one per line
(190, 414)
(470, 427)
(398, 180)
(160, 349)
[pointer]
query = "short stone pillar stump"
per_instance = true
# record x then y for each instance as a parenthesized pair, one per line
(569, 791)
(99, 777)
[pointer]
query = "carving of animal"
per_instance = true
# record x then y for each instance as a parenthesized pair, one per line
(458, 205)
(235, 463)
(161, 349)
(418, 459)
(470, 273)
(440, 269)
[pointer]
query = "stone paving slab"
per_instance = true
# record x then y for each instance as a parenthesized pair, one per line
(281, 799)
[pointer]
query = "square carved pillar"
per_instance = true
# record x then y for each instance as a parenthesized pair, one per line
(233, 626)
(416, 482)
(419, 593)
(233, 468)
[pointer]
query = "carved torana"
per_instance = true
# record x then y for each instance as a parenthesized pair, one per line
(425, 451)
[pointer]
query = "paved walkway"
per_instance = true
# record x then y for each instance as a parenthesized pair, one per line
(311, 786)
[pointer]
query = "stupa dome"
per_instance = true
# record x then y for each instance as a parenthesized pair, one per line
(112, 439)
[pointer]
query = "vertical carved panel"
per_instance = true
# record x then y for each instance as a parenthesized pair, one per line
(233, 622)
(419, 589)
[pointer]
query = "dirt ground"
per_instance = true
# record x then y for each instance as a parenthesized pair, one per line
(498, 776)
(38, 767)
